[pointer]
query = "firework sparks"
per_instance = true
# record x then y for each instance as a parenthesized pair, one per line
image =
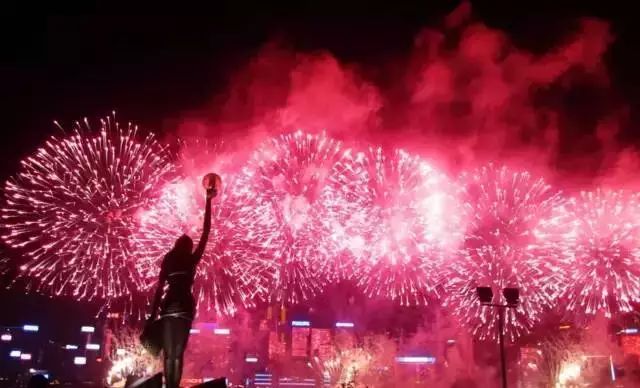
(223, 281)
(347, 365)
(516, 237)
(283, 182)
(71, 208)
(363, 366)
(604, 267)
(387, 209)
(128, 357)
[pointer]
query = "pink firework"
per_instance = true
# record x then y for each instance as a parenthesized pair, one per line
(605, 262)
(128, 357)
(516, 237)
(396, 216)
(223, 280)
(71, 208)
(284, 214)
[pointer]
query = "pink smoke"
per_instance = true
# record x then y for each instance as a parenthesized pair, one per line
(465, 95)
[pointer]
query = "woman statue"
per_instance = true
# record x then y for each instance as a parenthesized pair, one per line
(177, 305)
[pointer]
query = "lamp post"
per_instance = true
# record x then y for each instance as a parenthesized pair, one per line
(512, 296)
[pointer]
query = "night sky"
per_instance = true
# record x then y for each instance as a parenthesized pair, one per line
(152, 63)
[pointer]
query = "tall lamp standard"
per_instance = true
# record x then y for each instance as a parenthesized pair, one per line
(512, 296)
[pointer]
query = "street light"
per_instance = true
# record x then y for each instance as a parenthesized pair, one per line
(512, 296)
(485, 294)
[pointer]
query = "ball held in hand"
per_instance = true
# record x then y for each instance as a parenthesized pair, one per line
(212, 181)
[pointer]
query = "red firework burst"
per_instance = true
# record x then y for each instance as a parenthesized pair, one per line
(387, 210)
(70, 209)
(281, 207)
(605, 261)
(516, 237)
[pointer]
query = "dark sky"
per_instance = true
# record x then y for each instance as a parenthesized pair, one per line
(151, 62)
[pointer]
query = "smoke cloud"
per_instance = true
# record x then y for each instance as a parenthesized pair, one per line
(465, 95)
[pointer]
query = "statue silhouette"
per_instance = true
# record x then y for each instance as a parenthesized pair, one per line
(177, 306)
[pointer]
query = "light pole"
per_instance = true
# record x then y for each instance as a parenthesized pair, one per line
(512, 296)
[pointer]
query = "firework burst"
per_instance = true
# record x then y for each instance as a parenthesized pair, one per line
(605, 263)
(387, 210)
(282, 186)
(347, 365)
(128, 357)
(363, 366)
(516, 237)
(223, 281)
(70, 209)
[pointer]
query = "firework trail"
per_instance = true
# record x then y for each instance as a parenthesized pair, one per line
(282, 210)
(605, 262)
(395, 215)
(223, 281)
(70, 209)
(516, 237)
